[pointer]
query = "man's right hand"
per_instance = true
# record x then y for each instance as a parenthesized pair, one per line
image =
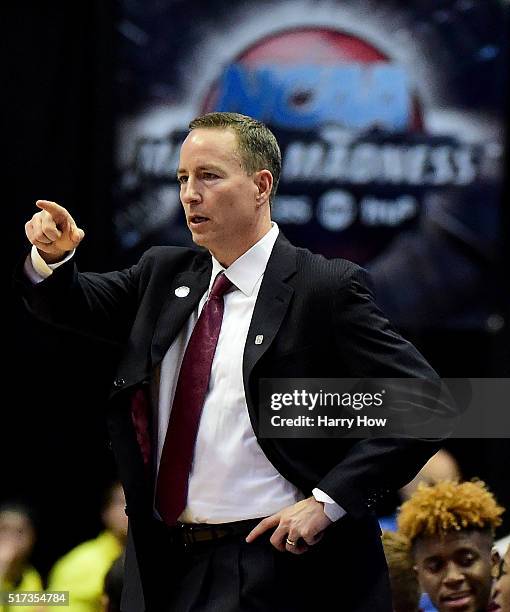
(53, 231)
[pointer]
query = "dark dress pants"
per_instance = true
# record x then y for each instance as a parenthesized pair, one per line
(345, 571)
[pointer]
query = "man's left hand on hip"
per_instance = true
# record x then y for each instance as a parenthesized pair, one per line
(297, 527)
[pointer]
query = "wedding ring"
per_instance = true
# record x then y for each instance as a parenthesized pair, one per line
(290, 542)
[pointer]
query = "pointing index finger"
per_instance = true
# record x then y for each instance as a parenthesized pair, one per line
(56, 211)
(264, 525)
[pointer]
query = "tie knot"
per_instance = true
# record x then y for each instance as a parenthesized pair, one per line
(220, 286)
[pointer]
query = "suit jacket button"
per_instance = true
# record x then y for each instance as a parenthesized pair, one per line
(119, 382)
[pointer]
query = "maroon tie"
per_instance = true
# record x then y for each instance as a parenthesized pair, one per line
(192, 384)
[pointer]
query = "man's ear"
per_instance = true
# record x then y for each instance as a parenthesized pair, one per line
(264, 182)
(418, 576)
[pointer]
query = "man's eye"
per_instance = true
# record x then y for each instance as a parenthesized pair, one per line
(433, 566)
(210, 175)
(467, 560)
(182, 179)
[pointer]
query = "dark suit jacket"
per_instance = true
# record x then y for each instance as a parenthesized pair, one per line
(318, 319)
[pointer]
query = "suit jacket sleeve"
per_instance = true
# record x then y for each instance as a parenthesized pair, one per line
(98, 305)
(375, 350)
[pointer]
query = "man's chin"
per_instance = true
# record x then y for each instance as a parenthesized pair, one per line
(200, 240)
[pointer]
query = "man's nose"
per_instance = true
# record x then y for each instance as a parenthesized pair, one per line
(453, 574)
(190, 192)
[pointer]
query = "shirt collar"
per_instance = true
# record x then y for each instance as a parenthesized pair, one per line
(246, 271)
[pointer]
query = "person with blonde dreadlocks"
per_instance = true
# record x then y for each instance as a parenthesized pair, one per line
(451, 528)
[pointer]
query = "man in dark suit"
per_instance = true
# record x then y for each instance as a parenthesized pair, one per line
(221, 518)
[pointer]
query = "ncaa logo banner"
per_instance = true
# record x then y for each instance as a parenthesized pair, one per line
(390, 121)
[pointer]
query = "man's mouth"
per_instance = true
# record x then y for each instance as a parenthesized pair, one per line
(457, 600)
(197, 219)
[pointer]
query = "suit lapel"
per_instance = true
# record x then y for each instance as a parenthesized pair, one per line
(176, 310)
(272, 303)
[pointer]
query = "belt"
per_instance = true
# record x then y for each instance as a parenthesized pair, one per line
(193, 533)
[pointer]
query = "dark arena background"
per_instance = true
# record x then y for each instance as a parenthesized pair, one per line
(393, 121)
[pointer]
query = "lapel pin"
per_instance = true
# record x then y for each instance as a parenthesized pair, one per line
(259, 339)
(182, 291)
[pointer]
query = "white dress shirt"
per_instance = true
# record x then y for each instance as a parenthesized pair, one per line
(231, 478)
